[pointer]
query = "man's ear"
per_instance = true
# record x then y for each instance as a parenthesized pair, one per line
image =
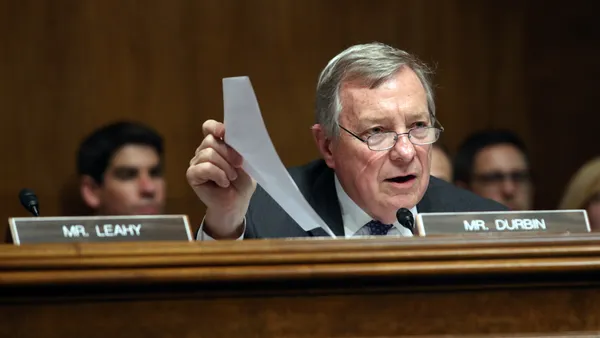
(324, 144)
(90, 192)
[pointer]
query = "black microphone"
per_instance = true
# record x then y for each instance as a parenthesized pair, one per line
(406, 219)
(30, 201)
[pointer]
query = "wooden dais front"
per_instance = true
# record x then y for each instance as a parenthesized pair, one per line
(521, 286)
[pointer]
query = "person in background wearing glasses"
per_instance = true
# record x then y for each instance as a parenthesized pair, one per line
(375, 124)
(494, 164)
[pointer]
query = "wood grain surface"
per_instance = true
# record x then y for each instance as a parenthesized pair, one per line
(511, 286)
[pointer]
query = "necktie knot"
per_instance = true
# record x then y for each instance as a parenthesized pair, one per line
(377, 228)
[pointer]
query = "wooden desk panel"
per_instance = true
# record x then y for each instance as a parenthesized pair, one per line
(545, 286)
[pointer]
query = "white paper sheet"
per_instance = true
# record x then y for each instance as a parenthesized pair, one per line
(245, 131)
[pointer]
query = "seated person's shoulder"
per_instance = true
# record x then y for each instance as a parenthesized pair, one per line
(455, 199)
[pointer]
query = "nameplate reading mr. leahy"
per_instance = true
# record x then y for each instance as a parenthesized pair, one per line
(555, 221)
(27, 230)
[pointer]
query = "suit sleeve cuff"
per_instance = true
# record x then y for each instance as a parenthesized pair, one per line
(203, 236)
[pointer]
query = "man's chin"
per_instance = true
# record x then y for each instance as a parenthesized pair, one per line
(514, 207)
(147, 211)
(387, 214)
(407, 201)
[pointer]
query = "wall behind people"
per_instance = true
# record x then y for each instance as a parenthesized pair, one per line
(561, 54)
(67, 67)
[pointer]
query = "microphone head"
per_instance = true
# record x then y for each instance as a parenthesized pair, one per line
(29, 200)
(406, 219)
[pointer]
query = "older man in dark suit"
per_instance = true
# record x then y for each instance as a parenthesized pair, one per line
(376, 122)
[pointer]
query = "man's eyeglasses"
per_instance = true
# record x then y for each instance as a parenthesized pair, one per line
(387, 140)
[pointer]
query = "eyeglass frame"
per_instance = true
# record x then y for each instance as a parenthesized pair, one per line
(497, 178)
(396, 136)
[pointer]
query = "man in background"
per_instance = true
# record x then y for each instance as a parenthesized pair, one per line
(494, 164)
(441, 164)
(121, 170)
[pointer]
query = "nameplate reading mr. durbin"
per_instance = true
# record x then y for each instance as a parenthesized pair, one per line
(556, 221)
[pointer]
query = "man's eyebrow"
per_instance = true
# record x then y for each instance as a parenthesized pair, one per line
(417, 115)
(121, 169)
(156, 167)
(374, 119)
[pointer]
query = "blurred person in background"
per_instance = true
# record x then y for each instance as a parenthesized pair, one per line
(495, 164)
(441, 164)
(583, 192)
(121, 170)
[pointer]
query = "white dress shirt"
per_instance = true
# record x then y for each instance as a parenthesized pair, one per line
(353, 217)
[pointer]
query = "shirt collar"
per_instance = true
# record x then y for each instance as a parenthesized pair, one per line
(355, 218)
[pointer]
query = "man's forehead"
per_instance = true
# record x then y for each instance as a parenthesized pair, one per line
(135, 156)
(500, 156)
(404, 80)
(395, 98)
(382, 115)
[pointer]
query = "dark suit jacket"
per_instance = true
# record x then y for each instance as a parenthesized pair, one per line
(266, 219)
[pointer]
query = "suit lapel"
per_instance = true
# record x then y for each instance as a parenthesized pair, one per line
(323, 198)
(433, 199)
(425, 205)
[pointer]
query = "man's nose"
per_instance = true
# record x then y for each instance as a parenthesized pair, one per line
(404, 150)
(147, 186)
(509, 187)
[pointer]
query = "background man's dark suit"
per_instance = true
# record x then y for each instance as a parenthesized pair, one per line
(266, 219)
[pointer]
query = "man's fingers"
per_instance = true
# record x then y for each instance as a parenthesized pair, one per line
(201, 173)
(228, 153)
(244, 182)
(234, 157)
(215, 128)
(211, 155)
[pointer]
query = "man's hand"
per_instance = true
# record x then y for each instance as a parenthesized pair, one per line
(217, 177)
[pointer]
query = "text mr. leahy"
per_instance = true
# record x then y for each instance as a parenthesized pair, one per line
(104, 230)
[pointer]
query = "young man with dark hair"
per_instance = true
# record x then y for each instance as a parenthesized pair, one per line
(121, 170)
(494, 164)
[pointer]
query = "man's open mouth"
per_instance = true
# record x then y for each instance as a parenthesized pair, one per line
(401, 179)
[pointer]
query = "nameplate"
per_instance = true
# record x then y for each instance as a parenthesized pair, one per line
(554, 221)
(26, 230)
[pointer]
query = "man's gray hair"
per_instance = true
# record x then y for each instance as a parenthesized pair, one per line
(373, 63)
